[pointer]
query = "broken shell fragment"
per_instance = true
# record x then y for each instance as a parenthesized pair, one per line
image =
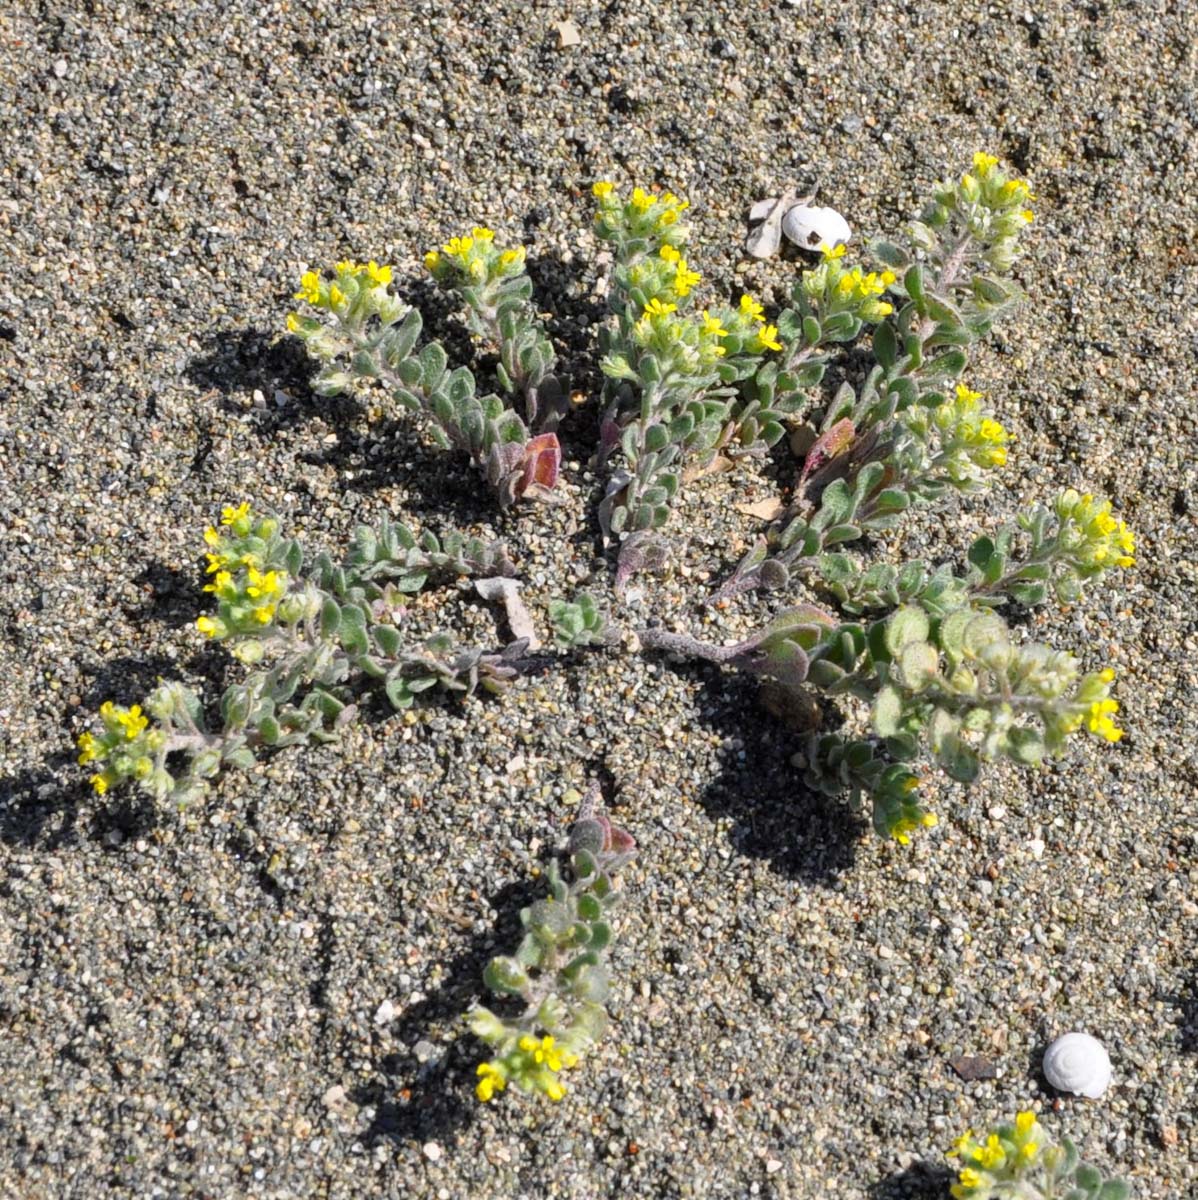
(1078, 1063)
(813, 228)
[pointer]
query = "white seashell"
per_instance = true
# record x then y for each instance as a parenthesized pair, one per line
(1077, 1063)
(813, 227)
(763, 208)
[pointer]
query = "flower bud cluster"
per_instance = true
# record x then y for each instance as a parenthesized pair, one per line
(832, 288)
(987, 204)
(1020, 1158)
(474, 259)
(247, 560)
(126, 749)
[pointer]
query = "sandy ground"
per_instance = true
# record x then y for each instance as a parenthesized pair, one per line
(190, 1003)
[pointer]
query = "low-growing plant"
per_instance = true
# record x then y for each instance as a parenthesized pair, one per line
(687, 391)
(1020, 1161)
(366, 336)
(313, 636)
(558, 975)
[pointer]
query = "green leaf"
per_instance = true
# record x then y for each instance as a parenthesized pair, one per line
(589, 907)
(885, 345)
(981, 552)
(812, 332)
(268, 730)
(1114, 1189)
(888, 253)
(837, 568)
(951, 634)
(842, 533)
(919, 665)
(984, 629)
(957, 758)
(657, 437)
(330, 618)
(1088, 1177)
(913, 282)
(887, 712)
(432, 366)
(506, 976)
(398, 693)
(906, 625)
(600, 935)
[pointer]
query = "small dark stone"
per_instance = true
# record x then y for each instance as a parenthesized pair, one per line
(972, 1068)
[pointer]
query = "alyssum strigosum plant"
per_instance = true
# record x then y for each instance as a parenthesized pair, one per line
(692, 386)
(313, 637)
(1020, 1161)
(923, 647)
(557, 978)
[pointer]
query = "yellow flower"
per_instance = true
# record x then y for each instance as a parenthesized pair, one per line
(767, 338)
(482, 234)
(100, 783)
(336, 296)
(670, 253)
(89, 748)
(309, 287)
(459, 247)
(1107, 675)
(712, 326)
(984, 163)
(1027, 1151)
(929, 820)
(293, 322)
(750, 308)
(641, 200)
(211, 538)
(656, 308)
(831, 252)
(991, 1154)
(965, 396)
(229, 514)
(684, 278)
(132, 721)
(378, 275)
(512, 256)
(888, 277)
(221, 583)
(554, 1090)
(1099, 719)
(431, 259)
(206, 625)
(902, 830)
(969, 1178)
(602, 189)
(492, 1079)
(263, 613)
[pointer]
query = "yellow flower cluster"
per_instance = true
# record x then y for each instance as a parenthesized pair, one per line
(644, 214)
(534, 1063)
(1097, 539)
(248, 596)
(858, 288)
(904, 812)
(997, 1157)
(476, 257)
(989, 183)
(837, 289)
(684, 278)
(122, 746)
(353, 279)
(967, 430)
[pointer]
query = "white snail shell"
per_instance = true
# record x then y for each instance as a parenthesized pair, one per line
(1078, 1063)
(813, 227)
